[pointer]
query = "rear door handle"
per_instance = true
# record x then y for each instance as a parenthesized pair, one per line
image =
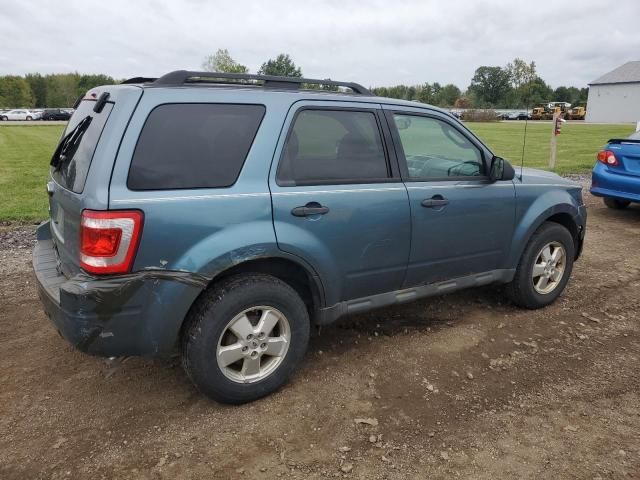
(435, 201)
(311, 208)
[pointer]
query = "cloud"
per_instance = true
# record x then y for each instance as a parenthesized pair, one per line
(374, 42)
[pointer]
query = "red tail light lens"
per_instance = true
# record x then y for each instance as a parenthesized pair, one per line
(608, 158)
(109, 240)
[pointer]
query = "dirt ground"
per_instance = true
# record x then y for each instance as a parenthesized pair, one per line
(464, 386)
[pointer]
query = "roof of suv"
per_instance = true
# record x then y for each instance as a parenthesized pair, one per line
(236, 81)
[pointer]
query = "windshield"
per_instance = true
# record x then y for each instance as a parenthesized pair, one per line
(71, 160)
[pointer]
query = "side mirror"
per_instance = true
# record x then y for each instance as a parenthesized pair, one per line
(501, 170)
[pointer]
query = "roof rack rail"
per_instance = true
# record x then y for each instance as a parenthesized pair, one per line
(180, 77)
(138, 80)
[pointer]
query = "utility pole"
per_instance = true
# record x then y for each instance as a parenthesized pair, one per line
(556, 125)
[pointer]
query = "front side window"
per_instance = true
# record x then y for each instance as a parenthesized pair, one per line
(435, 149)
(333, 147)
(193, 145)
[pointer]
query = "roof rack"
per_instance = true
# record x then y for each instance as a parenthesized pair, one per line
(180, 77)
(138, 80)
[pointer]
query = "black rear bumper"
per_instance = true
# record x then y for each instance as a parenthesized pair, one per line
(135, 314)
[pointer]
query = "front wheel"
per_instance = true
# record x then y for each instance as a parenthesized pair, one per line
(245, 337)
(615, 203)
(29, 118)
(544, 268)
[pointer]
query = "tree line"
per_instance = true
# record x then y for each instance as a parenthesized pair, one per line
(516, 85)
(41, 91)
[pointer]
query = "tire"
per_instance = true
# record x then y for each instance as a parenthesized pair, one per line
(4, 119)
(616, 204)
(29, 118)
(208, 329)
(527, 292)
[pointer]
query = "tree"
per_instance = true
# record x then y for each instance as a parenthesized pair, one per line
(38, 85)
(537, 92)
(520, 72)
(463, 102)
(448, 95)
(62, 89)
(281, 66)
(15, 92)
(490, 85)
(87, 82)
(221, 61)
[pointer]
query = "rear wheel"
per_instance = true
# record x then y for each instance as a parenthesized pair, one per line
(544, 268)
(29, 118)
(615, 203)
(245, 337)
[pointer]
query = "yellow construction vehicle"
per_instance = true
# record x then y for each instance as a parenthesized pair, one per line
(546, 111)
(539, 111)
(578, 112)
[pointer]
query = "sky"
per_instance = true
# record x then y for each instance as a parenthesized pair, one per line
(374, 43)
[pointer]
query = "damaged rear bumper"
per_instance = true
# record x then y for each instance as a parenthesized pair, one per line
(135, 314)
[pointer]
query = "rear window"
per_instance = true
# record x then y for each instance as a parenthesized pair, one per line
(193, 146)
(72, 168)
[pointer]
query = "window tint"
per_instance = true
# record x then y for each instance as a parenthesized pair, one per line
(72, 169)
(434, 149)
(193, 146)
(333, 146)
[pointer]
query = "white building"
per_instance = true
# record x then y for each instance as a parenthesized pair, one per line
(615, 96)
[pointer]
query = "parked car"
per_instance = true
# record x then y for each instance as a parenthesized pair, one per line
(55, 114)
(616, 174)
(18, 114)
(225, 220)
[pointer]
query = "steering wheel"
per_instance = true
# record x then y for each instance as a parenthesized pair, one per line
(468, 162)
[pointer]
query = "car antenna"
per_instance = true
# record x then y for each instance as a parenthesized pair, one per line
(526, 122)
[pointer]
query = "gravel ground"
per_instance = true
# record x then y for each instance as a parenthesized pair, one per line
(464, 386)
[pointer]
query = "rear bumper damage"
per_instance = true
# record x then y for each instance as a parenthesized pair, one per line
(135, 314)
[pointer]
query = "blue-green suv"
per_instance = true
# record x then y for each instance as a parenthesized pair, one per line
(222, 215)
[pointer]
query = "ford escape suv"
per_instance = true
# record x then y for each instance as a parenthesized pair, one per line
(222, 215)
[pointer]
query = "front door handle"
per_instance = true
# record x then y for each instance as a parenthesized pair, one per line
(435, 201)
(311, 208)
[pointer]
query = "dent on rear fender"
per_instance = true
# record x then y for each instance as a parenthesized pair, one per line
(117, 290)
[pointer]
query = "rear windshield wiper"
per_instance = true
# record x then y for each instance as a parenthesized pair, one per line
(69, 144)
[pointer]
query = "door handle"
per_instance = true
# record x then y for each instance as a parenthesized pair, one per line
(435, 201)
(311, 208)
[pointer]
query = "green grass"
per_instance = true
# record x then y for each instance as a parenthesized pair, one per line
(25, 152)
(576, 148)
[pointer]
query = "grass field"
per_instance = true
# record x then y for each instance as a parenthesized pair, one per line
(577, 147)
(25, 152)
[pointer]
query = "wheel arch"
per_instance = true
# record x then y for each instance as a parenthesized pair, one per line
(565, 214)
(300, 277)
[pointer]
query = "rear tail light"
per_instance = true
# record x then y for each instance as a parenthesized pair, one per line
(608, 158)
(109, 240)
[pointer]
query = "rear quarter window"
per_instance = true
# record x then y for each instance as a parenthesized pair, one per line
(193, 146)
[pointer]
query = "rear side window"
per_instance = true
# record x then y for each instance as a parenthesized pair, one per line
(73, 156)
(193, 146)
(332, 147)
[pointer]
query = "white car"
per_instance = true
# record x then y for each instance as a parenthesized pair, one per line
(18, 114)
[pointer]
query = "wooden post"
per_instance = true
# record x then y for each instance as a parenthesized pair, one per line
(552, 158)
